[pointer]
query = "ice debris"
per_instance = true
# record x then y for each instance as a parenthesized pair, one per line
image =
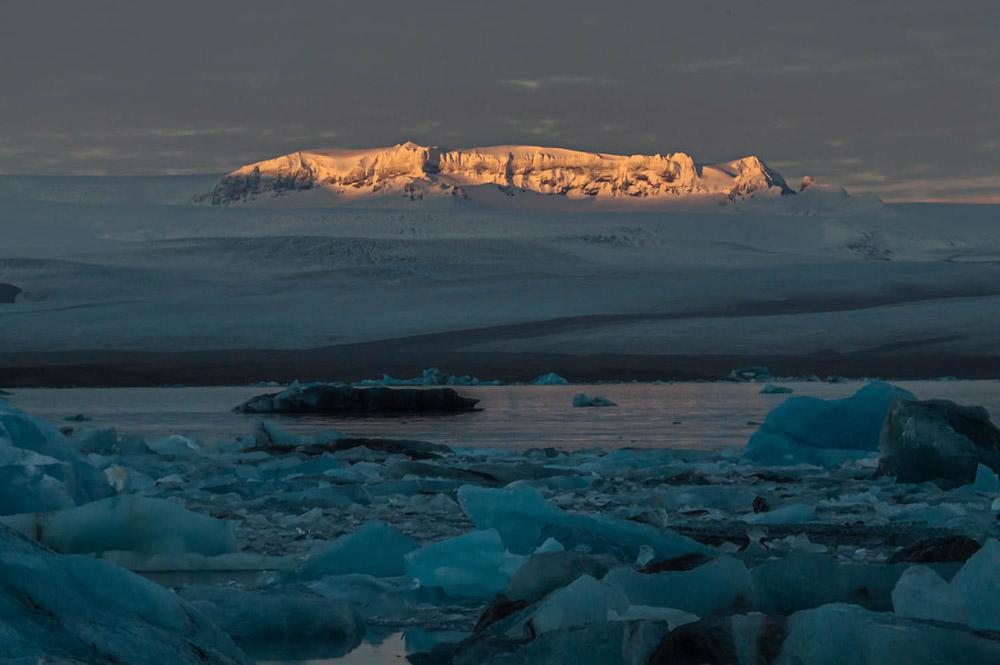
(430, 377)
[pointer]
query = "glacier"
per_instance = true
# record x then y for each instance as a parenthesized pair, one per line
(414, 172)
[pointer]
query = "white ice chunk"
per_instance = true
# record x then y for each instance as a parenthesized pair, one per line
(550, 379)
(40, 469)
(175, 445)
(585, 400)
(723, 584)
(986, 480)
(374, 548)
(470, 565)
(525, 519)
(972, 597)
(130, 523)
(585, 601)
(75, 609)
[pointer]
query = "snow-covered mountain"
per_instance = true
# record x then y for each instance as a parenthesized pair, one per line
(418, 172)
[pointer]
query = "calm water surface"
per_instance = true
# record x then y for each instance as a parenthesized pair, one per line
(677, 415)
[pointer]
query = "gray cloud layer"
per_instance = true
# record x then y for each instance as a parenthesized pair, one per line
(891, 97)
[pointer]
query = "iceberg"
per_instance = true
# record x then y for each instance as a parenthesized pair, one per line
(833, 634)
(938, 440)
(971, 598)
(470, 565)
(545, 572)
(40, 470)
(722, 585)
(127, 523)
(801, 581)
(276, 623)
(752, 374)
(986, 480)
(583, 602)
(550, 379)
(75, 609)
(772, 389)
(584, 400)
(839, 633)
(374, 548)
(341, 398)
(524, 520)
(808, 430)
(430, 377)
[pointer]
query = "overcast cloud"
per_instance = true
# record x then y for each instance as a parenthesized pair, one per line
(897, 98)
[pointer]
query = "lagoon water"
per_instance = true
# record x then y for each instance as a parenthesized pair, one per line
(669, 415)
(516, 417)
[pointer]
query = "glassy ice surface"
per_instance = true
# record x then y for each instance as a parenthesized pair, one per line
(674, 415)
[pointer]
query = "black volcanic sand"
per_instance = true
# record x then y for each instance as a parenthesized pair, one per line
(408, 357)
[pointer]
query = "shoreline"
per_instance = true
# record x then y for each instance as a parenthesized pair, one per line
(351, 363)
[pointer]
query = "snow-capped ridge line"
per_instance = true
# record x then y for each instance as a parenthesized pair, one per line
(415, 172)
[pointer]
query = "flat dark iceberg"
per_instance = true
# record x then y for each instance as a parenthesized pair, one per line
(344, 399)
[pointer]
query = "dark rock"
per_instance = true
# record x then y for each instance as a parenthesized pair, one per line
(689, 477)
(425, 470)
(934, 550)
(509, 472)
(8, 293)
(500, 608)
(682, 562)
(344, 399)
(937, 440)
(760, 505)
(543, 453)
(715, 641)
(442, 653)
(411, 448)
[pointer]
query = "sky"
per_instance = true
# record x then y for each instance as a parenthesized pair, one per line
(898, 98)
